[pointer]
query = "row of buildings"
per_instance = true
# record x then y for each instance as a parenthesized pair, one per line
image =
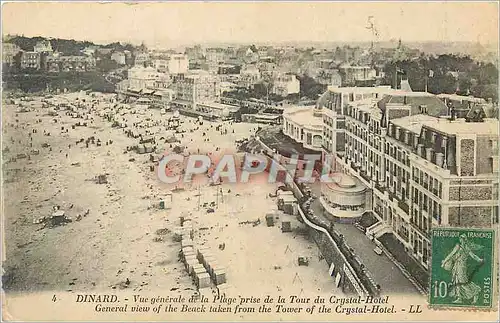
(168, 62)
(197, 91)
(413, 159)
(187, 88)
(43, 57)
(344, 66)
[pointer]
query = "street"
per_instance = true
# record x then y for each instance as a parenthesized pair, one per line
(383, 270)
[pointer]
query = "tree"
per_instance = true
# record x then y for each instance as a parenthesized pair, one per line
(106, 64)
(486, 91)
(310, 88)
(474, 78)
(464, 85)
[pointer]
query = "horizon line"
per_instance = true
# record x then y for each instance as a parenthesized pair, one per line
(193, 43)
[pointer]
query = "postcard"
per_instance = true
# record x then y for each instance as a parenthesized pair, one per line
(250, 161)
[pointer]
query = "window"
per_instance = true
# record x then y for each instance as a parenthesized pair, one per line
(309, 139)
(435, 210)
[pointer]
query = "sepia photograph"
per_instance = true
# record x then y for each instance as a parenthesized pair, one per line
(250, 161)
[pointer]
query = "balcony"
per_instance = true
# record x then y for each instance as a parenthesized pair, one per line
(418, 229)
(365, 176)
(403, 206)
(404, 234)
(380, 188)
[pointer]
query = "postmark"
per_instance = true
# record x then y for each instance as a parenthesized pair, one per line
(462, 268)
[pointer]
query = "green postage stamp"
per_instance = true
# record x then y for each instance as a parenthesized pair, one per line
(462, 268)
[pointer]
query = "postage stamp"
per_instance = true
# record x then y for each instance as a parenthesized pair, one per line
(462, 268)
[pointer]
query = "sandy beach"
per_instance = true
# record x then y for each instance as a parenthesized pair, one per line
(117, 231)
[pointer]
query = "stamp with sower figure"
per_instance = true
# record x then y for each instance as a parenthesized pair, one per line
(462, 268)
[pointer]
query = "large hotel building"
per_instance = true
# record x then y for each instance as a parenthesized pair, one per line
(414, 159)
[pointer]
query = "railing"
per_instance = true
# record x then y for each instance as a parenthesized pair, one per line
(365, 176)
(380, 188)
(404, 235)
(420, 230)
(403, 206)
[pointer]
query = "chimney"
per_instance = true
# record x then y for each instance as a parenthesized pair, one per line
(420, 150)
(439, 159)
(428, 154)
(415, 141)
(407, 137)
(443, 142)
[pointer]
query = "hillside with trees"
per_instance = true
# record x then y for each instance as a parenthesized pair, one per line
(32, 80)
(66, 46)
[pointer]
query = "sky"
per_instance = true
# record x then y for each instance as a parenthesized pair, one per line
(181, 23)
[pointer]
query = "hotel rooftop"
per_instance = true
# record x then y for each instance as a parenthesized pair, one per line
(414, 124)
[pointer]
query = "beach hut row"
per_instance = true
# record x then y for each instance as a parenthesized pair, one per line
(200, 264)
(189, 257)
(216, 271)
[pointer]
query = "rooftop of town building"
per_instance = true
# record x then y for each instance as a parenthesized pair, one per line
(461, 127)
(303, 116)
(416, 100)
(344, 183)
(363, 89)
(218, 106)
(457, 97)
(415, 123)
